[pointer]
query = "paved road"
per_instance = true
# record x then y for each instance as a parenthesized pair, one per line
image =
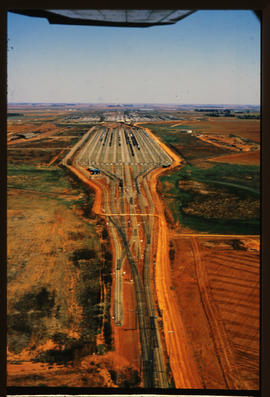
(125, 156)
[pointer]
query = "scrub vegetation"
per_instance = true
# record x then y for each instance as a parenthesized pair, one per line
(184, 144)
(59, 267)
(220, 199)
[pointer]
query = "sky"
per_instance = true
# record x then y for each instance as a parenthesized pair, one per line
(209, 57)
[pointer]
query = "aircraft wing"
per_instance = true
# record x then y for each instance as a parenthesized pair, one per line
(102, 17)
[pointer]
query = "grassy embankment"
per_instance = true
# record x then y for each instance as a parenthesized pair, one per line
(222, 198)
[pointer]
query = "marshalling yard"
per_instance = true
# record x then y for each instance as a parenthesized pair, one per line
(183, 303)
(125, 156)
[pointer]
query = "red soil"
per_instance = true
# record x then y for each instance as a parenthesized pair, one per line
(126, 337)
(46, 130)
(217, 293)
(247, 158)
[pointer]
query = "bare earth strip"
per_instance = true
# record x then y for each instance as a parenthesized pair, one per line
(182, 362)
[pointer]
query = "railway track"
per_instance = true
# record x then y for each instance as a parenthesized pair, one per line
(125, 157)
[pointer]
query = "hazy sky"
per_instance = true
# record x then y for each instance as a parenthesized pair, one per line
(210, 57)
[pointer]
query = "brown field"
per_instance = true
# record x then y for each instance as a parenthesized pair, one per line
(235, 144)
(222, 283)
(42, 130)
(33, 220)
(247, 158)
(249, 129)
(31, 155)
(49, 145)
(57, 232)
(44, 143)
(213, 138)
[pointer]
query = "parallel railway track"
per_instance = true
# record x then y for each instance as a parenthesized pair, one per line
(125, 156)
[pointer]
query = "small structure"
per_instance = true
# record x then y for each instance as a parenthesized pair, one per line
(94, 171)
(187, 131)
(27, 135)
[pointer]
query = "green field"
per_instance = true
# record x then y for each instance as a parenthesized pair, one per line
(188, 146)
(220, 199)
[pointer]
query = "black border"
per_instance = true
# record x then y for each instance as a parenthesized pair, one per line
(262, 8)
(3, 203)
(140, 391)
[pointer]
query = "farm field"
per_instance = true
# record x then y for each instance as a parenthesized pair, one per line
(129, 231)
(220, 277)
(212, 137)
(248, 158)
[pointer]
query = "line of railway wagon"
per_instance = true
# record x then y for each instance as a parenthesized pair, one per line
(131, 140)
(129, 136)
(102, 150)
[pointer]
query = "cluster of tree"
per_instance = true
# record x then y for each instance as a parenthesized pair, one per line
(15, 114)
(249, 116)
(211, 110)
(220, 114)
(228, 113)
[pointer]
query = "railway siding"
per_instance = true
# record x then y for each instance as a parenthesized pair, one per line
(125, 156)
